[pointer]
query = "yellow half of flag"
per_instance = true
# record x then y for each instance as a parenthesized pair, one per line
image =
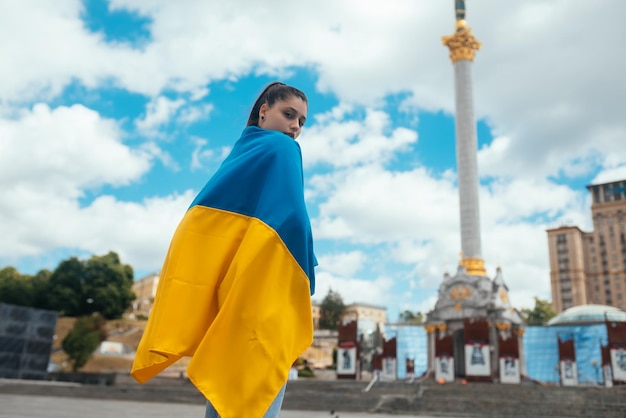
(232, 297)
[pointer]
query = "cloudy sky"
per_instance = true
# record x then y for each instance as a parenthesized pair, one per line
(113, 114)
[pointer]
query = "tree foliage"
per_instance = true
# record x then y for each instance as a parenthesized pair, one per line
(409, 317)
(15, 288)
(540, 314)
(107, 286)
(75, 288)
(83, 339)
(331, 309)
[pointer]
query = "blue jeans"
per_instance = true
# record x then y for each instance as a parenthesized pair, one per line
(272, 411)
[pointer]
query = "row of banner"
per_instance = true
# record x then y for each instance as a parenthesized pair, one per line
(476, 356)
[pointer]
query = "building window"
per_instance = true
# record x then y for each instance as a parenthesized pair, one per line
(596, 194)
(561, 239)
(608, 191)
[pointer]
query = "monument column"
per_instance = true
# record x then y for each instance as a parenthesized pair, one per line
(462, 47)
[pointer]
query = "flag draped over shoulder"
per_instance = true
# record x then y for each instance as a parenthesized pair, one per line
(235, 288)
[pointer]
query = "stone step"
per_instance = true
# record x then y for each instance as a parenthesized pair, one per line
(471, 400)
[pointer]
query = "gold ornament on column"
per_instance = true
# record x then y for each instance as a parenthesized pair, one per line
(519, 331)
(463, 45)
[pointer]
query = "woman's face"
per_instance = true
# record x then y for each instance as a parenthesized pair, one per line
(286, 116)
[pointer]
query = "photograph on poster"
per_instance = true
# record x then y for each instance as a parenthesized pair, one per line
(569, 373)
(346, 360)
(509, 370)
(477, 361)
(389, 368)
(618, 363)
(444, 368)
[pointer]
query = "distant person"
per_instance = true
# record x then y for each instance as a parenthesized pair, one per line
(236, 285)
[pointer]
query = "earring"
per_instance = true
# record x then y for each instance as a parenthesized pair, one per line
(262, 117)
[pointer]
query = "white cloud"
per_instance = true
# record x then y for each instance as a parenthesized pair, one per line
(62, 151)
(355, 290)
(370, 204)
(340, 143)
(158, 113)
(200, 153)
(190, 114)
(343, 264)
(531, 80)
(49, 158)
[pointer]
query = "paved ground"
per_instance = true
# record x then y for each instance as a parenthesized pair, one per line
(23, 406)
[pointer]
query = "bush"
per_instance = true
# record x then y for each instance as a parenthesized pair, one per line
(306, 372)
(83, 340)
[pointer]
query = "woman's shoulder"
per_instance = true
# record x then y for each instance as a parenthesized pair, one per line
(268, 140)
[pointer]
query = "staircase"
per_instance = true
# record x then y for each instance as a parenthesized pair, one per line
(450, 400)
(470, 400)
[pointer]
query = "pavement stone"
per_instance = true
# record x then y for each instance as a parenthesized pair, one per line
(33, 406)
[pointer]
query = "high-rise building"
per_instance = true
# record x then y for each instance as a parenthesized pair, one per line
(590, 267)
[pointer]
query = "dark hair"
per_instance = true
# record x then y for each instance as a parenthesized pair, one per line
(271, 94)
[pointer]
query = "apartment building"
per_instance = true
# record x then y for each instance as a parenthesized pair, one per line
(590, 267)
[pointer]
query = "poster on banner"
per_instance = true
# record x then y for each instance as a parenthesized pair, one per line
(389, 368)
(608, 376)
(477, 360)
(509, 370)
(618, 363)
(444, 368)
(569, 373)
(346, 360)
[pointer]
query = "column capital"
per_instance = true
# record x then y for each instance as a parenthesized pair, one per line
(463, 45)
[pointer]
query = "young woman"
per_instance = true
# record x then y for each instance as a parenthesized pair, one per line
(235, 288)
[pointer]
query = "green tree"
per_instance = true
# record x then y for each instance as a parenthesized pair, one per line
(107, 287)
(83, 340)
(13, 288)
(39, 284)
(65, 288)
(331, 309)
(540, 314)
(101, 284)
(409, 317)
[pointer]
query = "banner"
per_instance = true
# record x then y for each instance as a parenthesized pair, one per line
(346, 360)
(509, 370)
(618, 363)
(389, 368)
(444, 369)
(569, 373)
(477, 360)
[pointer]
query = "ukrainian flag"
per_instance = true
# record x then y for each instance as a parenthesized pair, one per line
(235, 288)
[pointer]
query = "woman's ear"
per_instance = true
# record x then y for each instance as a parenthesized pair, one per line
(264, 107)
